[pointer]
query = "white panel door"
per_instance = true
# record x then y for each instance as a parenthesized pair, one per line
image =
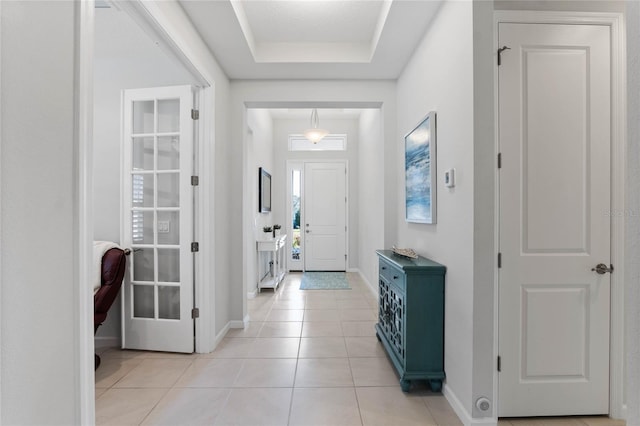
(158, 219)
(325, 214)
(554, 137)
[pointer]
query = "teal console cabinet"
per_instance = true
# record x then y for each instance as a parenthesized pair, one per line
(411, 317)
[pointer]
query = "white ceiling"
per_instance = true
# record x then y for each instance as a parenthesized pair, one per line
(311, 39)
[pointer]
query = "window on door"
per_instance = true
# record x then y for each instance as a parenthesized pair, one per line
(296, 246)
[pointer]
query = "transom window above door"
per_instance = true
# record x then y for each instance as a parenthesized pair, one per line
(335, 142)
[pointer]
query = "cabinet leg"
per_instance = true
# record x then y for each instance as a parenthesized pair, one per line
(405, 385)
(436, 385)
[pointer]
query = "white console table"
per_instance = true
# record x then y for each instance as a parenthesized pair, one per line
(276, 247)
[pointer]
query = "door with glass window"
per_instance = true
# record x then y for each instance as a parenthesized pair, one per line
(157, 165)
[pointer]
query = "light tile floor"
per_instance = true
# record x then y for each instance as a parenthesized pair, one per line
(308, 357)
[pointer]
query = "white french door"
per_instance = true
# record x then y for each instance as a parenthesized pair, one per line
(158, 200)
(325, 215)
(555, 185)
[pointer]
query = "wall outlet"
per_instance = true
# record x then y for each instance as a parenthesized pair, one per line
(163, 227)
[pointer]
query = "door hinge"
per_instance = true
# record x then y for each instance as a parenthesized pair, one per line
(500, 50)
(195, 180)
(195, 313)
(195, 114)
(499, 160)
(499, 363)
(499, 260)
(195, 247)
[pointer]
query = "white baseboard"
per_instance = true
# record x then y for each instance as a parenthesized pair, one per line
(462, 413)
(252, 294)
(106, 342)
(226, 328)
(372, 289)
(221, 335)
(353, 270)
(239, 324)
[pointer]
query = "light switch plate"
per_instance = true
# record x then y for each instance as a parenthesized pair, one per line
(163, 227)
(450, 178)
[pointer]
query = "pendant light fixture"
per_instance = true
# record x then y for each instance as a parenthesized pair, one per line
(314, 134)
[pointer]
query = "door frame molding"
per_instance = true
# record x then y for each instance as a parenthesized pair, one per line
(615, 21)
(83, 246)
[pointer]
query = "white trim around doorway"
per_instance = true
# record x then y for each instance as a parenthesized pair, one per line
(617, 397)
(83, 245)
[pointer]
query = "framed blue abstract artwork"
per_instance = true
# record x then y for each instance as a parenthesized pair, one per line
(420, 171)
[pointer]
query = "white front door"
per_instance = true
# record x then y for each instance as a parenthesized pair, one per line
(325, 211)
(554, 140)
(158, 218)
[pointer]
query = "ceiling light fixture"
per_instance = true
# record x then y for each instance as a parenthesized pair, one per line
(314, 134)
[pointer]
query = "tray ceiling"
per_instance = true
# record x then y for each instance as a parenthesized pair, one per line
(311, 39)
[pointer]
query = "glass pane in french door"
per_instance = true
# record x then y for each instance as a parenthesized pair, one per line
(143, 116)
(168, 115)
(155, 209)
(169, 302)
(169, 189)
(143, 264)
(143, 306)
(168, 229)
(142, 153)
(168, 153)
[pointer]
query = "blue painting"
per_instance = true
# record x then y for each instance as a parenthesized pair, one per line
(420, 167)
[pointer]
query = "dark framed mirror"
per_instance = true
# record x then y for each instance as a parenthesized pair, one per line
(264, 191)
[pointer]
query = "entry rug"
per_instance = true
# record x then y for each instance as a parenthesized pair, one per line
(324, 281)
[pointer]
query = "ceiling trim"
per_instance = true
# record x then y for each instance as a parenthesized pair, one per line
(310, 52)
(382, 19)
(310, 104)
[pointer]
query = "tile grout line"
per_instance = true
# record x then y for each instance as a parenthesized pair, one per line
(295, 374)
(155, 405)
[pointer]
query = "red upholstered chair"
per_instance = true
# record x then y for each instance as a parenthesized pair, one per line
(114, 263)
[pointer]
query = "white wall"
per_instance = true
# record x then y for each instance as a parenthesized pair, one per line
(39, 195)
(439, 78)
(260, 153)
(282, 130)
(125, 58)
(632, 244)
(370, 199)
(305, 94)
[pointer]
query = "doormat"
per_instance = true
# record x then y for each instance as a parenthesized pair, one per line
(324, 281)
